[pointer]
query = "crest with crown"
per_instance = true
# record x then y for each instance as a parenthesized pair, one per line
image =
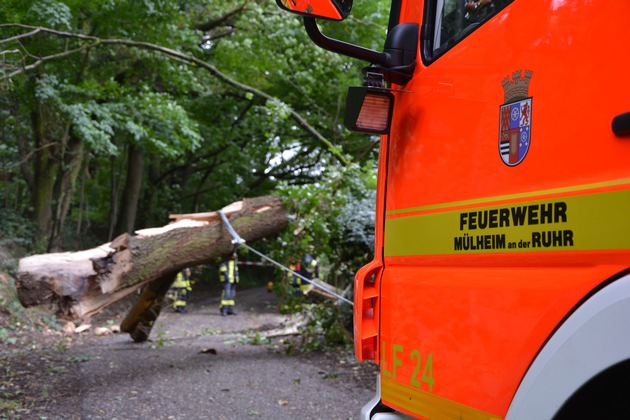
(516, 87)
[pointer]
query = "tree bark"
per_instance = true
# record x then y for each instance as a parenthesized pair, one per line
(131, 193)
(46, 166)
(65, 186)
(139, 320)
(83, 283)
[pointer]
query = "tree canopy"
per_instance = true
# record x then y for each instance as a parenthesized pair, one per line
(116, 113)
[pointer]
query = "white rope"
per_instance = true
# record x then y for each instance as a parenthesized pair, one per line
(237, 240)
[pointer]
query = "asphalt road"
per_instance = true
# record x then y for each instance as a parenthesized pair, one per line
(199, 365)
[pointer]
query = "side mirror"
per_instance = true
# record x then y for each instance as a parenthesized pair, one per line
(325, 9)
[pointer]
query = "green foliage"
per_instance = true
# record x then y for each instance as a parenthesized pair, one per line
(56, 370)
(207, 331)
(356, 221)
(15, 229)
(9, 304)
(6, 337)
(205, 143)
(21, 320)
(100, 114)
(78, 359)
(255, 339)
(9, 405)
(59, 347)
(324, 328)
(333, 220)
(50, 13)
(291, 302)
(161, 340)
(330, 375)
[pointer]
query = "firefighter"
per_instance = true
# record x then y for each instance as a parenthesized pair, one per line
(309, 269)
(228, 275)
(290, 275)
(294, 280)
(182, 290)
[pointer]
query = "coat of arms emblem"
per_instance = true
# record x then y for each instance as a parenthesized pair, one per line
(515, 118)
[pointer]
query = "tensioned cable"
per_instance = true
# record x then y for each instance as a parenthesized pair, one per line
(237, 240)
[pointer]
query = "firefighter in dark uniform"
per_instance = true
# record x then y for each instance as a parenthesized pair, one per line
(309, 269)
(182, 290)
(228, 275)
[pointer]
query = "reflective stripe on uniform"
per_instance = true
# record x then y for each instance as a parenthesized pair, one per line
(229, 271)
(180, 281)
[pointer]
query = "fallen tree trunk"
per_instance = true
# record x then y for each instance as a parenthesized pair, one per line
(139, 321)
(83, 283)
(325, 290)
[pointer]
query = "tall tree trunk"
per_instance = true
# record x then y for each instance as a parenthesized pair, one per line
(46, 166)
(149, 202)
(132, 190)
(24, 150)
(114, 195)
(83, 205)
(65, 188)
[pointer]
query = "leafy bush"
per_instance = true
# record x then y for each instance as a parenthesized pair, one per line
(324, 327)
(16, 229)
(333, 221)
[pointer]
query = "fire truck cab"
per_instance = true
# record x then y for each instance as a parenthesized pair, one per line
(500, 284)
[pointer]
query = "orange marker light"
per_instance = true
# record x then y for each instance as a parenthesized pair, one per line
(369, 110)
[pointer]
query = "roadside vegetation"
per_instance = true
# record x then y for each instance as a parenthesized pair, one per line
(114, 115)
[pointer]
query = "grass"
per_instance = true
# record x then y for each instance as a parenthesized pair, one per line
(9, 406)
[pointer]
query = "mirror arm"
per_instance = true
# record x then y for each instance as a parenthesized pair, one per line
(341, 47)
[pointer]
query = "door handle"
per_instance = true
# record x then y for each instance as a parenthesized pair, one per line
(621, 125)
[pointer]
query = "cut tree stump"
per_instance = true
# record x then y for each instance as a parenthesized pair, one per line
(81, 284)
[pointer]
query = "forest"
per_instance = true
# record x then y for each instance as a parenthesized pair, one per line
(116, 113)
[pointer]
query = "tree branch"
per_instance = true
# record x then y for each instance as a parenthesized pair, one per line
(221, 20)
(185, 58)
(41, 60)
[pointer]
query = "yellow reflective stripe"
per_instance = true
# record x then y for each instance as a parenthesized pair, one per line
(232, 269)
(588, 222)
(427, 404)
(510, 197)
(179, 281)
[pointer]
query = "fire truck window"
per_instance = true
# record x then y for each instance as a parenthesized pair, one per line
(456, 19)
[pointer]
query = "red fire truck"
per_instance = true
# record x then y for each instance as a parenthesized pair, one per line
(500, 285)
